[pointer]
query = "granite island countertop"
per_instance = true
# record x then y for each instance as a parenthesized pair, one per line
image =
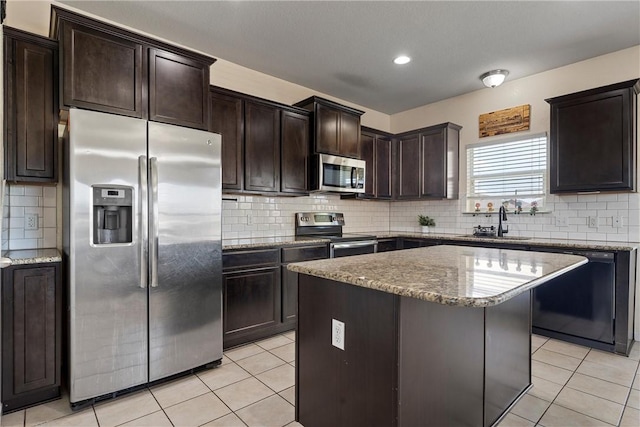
(450, 275)
(32, 256)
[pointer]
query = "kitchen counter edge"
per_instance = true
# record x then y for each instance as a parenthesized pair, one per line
(32, 256)
(272, 242)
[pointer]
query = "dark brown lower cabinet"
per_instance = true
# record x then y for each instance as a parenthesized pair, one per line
(260, 296)
(386, 245)
(290, 279)
(251, 295)
(31, 334)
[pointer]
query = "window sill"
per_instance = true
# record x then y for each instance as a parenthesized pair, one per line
(485, 213)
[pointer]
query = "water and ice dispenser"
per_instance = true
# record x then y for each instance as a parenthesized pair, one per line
(112, 214)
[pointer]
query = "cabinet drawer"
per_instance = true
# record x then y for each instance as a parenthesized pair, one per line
(252, 258)
(305, 253)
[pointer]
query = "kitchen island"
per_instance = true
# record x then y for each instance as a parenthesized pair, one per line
(429, 336)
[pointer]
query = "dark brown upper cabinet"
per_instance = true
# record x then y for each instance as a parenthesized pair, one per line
(178, 90)
(30, 107)
(261, 147)
(227, 119)
(440, 158)
(100, 71)
(336, 127)
(109, 69)
(375, 150)
(294, 177)
(407, 172)
(265, 145)
(593, 139)
(427, 163)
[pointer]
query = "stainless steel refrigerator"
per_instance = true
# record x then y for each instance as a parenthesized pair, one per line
(142, 244)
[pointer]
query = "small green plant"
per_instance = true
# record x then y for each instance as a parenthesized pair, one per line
(425, 221)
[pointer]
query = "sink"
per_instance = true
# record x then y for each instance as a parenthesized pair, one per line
(496, 237)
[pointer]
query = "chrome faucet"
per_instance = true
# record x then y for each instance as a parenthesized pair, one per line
(502, 216)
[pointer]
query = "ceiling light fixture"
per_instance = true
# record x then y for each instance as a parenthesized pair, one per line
(401, 60)
(494, 78)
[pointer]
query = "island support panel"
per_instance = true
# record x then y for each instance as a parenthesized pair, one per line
(351, 387)
(407, 362)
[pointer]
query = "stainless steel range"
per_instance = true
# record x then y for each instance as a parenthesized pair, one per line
(329, 225)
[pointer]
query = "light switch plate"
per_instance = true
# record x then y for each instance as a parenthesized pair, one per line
(337, 334)
(593, 222)
(30, 221)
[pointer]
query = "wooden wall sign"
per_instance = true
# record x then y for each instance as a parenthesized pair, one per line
(510, 120)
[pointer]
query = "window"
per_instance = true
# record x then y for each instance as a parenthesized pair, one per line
(511, 172)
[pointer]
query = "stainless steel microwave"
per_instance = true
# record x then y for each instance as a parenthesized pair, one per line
(338, 174)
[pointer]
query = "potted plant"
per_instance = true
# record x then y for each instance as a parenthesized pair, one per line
(426, 222)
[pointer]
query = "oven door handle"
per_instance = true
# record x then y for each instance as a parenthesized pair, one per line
(349, 245)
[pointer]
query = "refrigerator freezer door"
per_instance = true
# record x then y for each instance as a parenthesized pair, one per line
(107, 305)
(185, 299)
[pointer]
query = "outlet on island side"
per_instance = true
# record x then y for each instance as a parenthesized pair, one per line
(337, 334)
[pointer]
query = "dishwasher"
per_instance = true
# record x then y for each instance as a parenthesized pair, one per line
(580, 303)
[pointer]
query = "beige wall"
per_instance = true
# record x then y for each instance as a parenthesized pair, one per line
(34, 16)
(465, 109)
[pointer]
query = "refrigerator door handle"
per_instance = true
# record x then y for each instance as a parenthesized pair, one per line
(143, 203)
(153, 258)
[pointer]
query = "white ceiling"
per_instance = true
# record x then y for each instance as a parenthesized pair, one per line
(345, 48)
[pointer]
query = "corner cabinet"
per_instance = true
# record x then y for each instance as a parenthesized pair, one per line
(30, 107)
(375, 150)
(109, 69)
(265, 145)
(593, 139)
(336, 127)
(31, 334)
(260, 296)
(426, 163)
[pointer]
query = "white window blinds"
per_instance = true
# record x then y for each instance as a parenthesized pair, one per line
(508, 168)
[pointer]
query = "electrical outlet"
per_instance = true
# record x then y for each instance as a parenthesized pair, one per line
(337, 334)
(561, 221)
(593, 221)
(30, 221)
(616, 221)
(249, 219)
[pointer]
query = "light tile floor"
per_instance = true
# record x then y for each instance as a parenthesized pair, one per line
(578, 386)
(572, 386)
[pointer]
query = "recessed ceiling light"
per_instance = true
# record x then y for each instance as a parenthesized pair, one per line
(401, 60)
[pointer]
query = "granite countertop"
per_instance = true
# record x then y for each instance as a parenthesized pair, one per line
(267, 242)
(525, 241)
(450, 275)
(32, 256)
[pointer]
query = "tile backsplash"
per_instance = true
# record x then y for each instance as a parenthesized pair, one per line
(21, 200)
(567, 217)
(259, 216)
(245, 216)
